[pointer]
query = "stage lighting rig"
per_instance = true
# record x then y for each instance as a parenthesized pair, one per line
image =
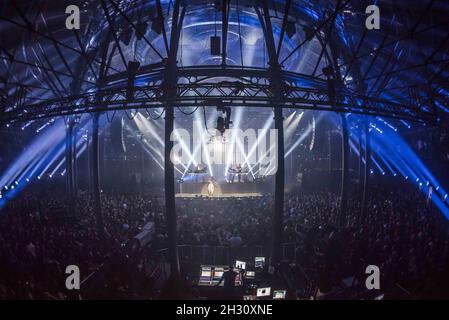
(223, 119)
(237, 85)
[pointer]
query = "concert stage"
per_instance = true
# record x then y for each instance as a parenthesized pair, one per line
(224, 189)
(219, 196)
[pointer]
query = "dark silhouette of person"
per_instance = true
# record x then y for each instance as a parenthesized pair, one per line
(228, 278)
(239, 172)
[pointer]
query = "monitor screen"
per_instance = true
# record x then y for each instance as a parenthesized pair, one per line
(205, 276)
(218, 273)
(279, 294)
(240, 264)
(250, 274)
(238, 280)
(263, 292)
(259, 262)
(248, 297)
(205, 273)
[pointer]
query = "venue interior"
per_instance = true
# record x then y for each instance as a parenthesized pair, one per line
(224, 149)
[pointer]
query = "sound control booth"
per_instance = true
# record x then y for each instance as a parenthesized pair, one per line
(251, 280)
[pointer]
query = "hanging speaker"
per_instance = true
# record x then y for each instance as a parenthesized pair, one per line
(141, 29)
(125, 36)
(308, 32)
(290, 29)
(133, 67)
(215, 45)
(117, 137)
(156, 25)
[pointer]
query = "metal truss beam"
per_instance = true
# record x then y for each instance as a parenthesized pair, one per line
(237, 92)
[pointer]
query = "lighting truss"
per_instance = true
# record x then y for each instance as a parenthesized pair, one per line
(210, 93)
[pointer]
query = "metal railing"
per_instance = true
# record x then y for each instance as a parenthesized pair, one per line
(203, 254)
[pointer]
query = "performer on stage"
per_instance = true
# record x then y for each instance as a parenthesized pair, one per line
(211, 187)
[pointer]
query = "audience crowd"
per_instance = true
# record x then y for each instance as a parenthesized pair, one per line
(41, 236)
(402, 233)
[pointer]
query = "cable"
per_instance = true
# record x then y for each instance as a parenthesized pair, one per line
(157, 117)
(187, 113)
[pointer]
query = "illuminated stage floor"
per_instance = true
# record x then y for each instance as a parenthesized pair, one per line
(219, 196)
(225, 190)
